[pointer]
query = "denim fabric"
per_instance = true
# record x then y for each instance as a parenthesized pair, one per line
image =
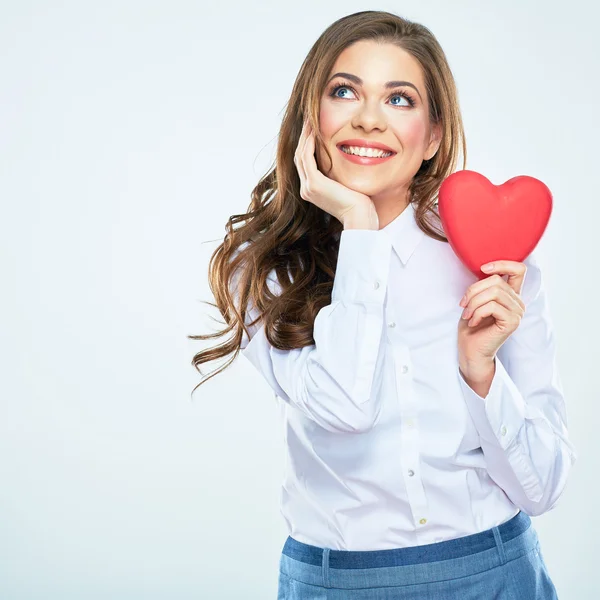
(501, 563)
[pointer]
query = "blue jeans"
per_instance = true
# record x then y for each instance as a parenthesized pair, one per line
(503, 563)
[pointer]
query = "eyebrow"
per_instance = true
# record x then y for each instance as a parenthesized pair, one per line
(387, 85)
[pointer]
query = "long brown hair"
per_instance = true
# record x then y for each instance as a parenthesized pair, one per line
(284, 234)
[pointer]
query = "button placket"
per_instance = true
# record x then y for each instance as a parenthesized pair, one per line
(410, 456)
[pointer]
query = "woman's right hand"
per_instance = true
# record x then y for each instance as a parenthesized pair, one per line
(329, 195)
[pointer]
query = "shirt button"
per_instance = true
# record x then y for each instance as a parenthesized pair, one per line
(376, 285)
(423, 521)
(392, 324)
(503, 430)
(410, 472)
(404, 369)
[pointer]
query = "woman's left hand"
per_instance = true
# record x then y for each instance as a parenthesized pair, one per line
(494, 309)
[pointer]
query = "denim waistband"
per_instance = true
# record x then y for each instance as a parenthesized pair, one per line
(448, 549)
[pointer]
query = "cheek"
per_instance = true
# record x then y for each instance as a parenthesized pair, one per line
(329, 121)
(411, 133)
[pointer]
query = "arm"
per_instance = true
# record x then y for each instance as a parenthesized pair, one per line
(333, 381)
(482, 382)
(518, 407)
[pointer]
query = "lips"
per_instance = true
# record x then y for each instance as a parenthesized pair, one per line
(366, 144)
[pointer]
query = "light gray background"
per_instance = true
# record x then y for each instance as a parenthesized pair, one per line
(129, 133)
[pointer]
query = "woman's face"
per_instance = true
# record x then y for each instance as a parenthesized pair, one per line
(371, 111)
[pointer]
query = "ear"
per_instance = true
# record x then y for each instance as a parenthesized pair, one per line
(435, 140)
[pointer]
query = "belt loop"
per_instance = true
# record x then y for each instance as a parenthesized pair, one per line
(326, 567)
(499, 544)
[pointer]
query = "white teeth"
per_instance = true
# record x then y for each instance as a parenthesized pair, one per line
(360, 151)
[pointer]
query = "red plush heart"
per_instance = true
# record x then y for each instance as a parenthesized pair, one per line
(485, 222)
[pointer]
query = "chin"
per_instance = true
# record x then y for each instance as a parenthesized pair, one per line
(365, 185)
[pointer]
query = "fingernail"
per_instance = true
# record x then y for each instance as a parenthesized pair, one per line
(487, 267)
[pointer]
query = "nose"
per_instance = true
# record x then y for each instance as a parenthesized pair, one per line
(369, 116)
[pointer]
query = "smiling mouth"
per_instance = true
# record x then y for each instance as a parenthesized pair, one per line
(365, 152)
(370, 159)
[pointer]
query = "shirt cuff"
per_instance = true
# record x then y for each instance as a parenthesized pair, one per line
(501, 414)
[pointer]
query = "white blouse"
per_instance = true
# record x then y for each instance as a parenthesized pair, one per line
(387, 446)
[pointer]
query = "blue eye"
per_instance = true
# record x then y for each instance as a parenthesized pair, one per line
(400, 96)
(401, 93)
(337, 88)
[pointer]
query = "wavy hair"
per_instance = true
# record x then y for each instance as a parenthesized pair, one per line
(284, 234)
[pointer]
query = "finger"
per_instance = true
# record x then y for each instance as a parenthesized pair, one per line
(479, 286)
(314, 178)
(310, 164)
(504, 318)
(504, 296)
(304, 139)
(515, 270)
(304, 157)
(484, 284)
(490, 283)
(298, 156)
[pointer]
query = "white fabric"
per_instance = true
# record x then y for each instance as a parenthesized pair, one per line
(387, 446)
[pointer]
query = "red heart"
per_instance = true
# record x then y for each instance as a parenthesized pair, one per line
(485, 222)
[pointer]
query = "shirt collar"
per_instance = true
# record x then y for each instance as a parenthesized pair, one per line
(404, 232)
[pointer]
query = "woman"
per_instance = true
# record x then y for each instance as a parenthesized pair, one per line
(419, 439)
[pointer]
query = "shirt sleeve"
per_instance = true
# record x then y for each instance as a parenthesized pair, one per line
(335, 381)
(522, 421)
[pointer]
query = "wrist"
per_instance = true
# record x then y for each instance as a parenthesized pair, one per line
(478, 371)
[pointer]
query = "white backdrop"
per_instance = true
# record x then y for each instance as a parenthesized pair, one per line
(129, 132)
